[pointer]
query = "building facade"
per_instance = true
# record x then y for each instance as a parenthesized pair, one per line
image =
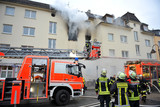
(35, 25)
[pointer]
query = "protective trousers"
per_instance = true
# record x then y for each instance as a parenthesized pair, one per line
(103, 98)
(134, 103)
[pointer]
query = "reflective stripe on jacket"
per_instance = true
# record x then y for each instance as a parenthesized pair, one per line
(134, 95)
(121, 98)
(102, 85)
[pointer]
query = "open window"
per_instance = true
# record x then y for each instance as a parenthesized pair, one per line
(73, 70)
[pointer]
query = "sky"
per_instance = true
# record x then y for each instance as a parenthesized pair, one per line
(147, 11)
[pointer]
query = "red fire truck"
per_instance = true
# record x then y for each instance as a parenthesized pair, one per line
(149, 69)
(41, 77)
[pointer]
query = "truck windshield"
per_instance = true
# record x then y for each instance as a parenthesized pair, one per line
(73, 70)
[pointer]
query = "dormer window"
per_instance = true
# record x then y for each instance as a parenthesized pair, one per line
(145, 28)
(109, 19)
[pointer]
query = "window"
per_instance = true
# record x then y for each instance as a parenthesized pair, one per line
(52, 43)
(137, 50)
(158, 43)
(52, 27)
(147, 43)
(145, 28)
(10, 10)
(109, 19)
(28, 31)
(123, 39)
(7, 29)
(149, 55)
(30, 14)
(4, 45)
(134, 25)
(6, 71)
(124, 54)
(111, 52)
(110, 37)
(24, 47)
(135, 36)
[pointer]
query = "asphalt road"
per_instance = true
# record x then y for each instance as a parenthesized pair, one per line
(88, 100)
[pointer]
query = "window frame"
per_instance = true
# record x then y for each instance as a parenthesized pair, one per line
(28, 31)
(149, 55)
(147, 43)
(30, 14)
(12, 13)
(52, 44)
(112, 52)
(9, 29)
(136, 36)
(137, 47)
(7, 71)
(52, 27)
(123, 39)
(110, 35)
(125, 54)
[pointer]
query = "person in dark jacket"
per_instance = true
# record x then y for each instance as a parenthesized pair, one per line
(120, 88)
(134, 96)
(102, 88)
(144, 88)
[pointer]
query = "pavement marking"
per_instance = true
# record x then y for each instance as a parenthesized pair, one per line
(91, 105)
(150, 105)
(97, 104)
(90, 96)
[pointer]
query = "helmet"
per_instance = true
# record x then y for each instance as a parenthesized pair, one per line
(122, 76)
(132, 75)
(103, 72)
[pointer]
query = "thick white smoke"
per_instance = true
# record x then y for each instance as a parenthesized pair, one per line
(74, 18)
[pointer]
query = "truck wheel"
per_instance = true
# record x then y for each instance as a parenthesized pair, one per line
(62, 97)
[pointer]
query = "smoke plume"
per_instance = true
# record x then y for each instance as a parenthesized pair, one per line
(74, 18)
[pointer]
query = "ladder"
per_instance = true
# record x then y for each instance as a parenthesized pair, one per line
(21, 52)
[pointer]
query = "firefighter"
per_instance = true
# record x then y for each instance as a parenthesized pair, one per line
(102, 88)
(112, 79)
(159, 81)
(121, 87)
(133, 96)
(144, 88)
(84, 88)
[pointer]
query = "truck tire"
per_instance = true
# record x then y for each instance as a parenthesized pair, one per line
(62, 97)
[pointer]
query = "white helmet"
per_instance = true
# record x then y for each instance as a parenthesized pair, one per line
(103, 72)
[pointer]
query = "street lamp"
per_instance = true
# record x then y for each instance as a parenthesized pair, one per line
(154, 51)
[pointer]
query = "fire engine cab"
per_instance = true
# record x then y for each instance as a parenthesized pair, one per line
(149, 69)
(41, 77)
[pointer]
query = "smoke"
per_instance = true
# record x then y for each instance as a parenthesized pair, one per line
(75, 19)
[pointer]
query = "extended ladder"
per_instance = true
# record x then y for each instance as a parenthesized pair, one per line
(21, 52)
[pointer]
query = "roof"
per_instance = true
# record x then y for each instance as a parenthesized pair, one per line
(130, 16)
(29, 3)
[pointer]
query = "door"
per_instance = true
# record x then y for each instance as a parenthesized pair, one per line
(38, 82)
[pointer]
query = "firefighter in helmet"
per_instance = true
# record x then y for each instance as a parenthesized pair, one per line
(102, 88)
(133, 96)
(144, 88)
(120, 88)
(159, 80)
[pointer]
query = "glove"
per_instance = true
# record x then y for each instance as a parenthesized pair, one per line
(96, 93)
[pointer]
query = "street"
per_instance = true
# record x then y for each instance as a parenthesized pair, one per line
(88, 100)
